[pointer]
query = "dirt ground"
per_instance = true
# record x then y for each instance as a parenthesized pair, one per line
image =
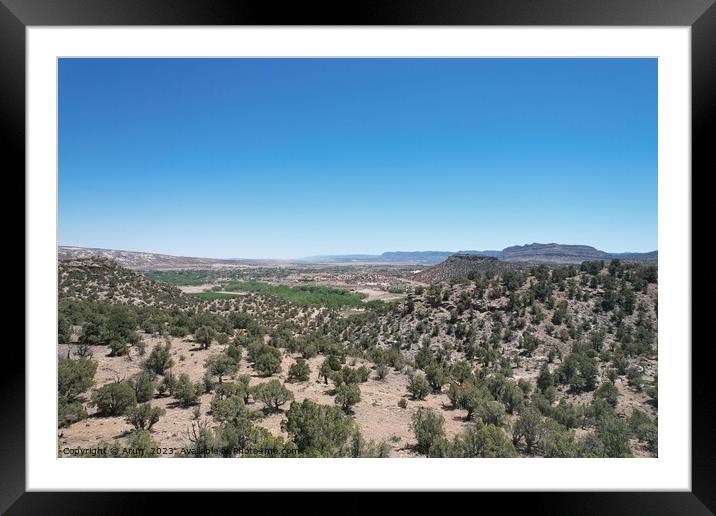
(372, 294)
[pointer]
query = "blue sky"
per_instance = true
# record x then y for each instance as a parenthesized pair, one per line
(287, 158)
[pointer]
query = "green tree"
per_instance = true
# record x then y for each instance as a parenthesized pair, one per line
(608, 392)
(185, 391)
(69, 412)
(144, 416)
(613, 433)
(557, 442)
(143, 386)
(141, 445)
(268, 361)
(644, 429)
(299, 371)
(436, 377)
(74, 376)
(114, 398)
(527, 428)
(118, 348)
(325, 371)
(428, 428)
(488, 411)
(229, 408)
(234, 351)
(64, 331)
(159, 360)
(204, 335)
(347, 395)
(485, 441)
(221, 365)
(418, 386)
(318, 430)
(273, 394)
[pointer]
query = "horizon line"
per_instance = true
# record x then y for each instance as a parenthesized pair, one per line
(329, 255)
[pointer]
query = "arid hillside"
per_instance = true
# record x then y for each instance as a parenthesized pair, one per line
(530, 360)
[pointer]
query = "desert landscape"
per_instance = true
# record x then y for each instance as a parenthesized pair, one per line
(365, 257)
(474, 355)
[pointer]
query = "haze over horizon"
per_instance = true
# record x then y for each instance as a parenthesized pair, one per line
(290, 158)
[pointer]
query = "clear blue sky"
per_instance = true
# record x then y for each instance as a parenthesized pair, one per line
(295, 157)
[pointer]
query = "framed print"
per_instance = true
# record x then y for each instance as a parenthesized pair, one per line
(426, 248)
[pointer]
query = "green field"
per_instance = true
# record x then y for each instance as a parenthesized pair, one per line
(180, 278)
(302, 295)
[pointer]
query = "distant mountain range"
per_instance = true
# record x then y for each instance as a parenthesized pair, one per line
(531, 253)
(418, 257)
(537, 253)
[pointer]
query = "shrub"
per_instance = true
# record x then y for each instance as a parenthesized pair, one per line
(144, 416)
(403, 403)
(362, 374)
(367, 449)
(545, 379)
(428, 427)
(299, 371)
(228, 405)
(268, 361)
(143, 386)
(74, 376)
(381, 371)
(318, 430)
(325, 371)
(557, 442)
(579, 370)
(418, 387)
(221, 365)
(347, 395)
(114, 399)
(527, 428)
(644, 429)
(436, 377)
(118, 348)
(69, 412)
(204, 335)
(273, 394)
(159, 360)
(613, 434)
(485, 441)
(634, 378)
(141, 445)
(608, 392)
(185, 391)
(513, 397)
(234, 351)
(488, 411)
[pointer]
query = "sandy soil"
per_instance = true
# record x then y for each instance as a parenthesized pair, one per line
(196, 289)
(382, 295)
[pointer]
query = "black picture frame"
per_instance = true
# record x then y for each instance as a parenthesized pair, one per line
(700, 15)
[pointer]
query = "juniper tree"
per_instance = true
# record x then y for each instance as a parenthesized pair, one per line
(347, 395)
(221, 365)
(318, 430)
(144, 416)
(299, 371)
(418, 386)
(74, 376)
(143, 386)
(428, 428)
(114, 398)
(273, 394)
(159, 360)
